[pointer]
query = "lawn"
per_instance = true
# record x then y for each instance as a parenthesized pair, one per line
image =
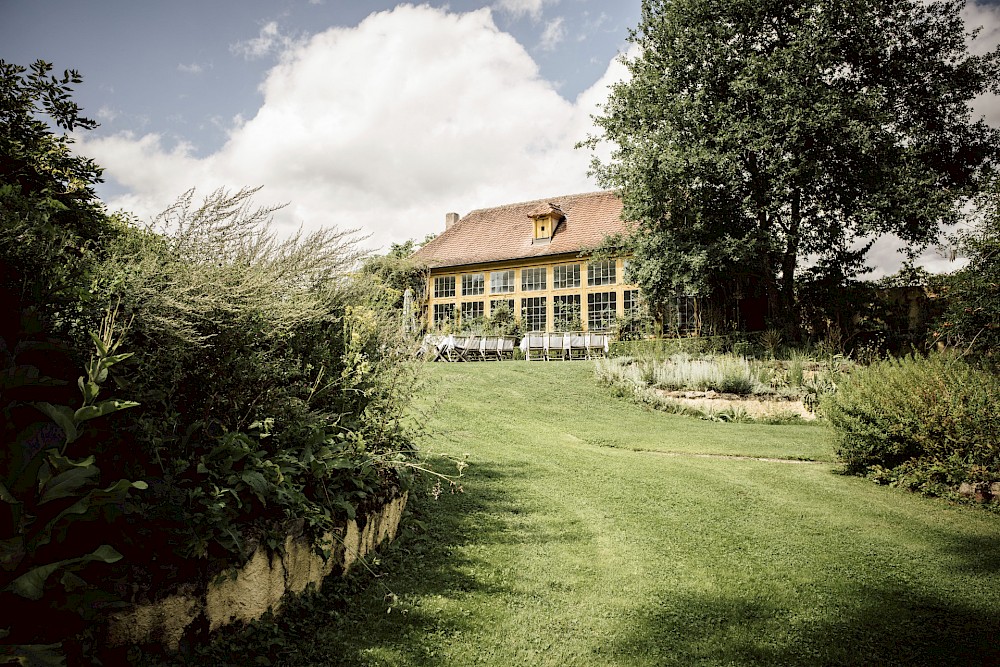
(594, 532)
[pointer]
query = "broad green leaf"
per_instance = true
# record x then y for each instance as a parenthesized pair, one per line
(94, 498)
(6, 496)
(87, 412)
(62, 416)
(62, 463)
(257, 482)
(67, 483)
(102, 348)
(90, 390)
(101, 409)
(31, 584)
(115, 358)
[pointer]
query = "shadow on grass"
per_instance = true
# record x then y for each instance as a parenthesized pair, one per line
(874, 626)
(379, 614)
(976, 554)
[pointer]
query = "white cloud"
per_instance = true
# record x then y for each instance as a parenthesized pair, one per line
(519, 8)
(107, 113)
(985, 16)
(193, 68)
(591, 25)
(383, 127)
(554, 33)
(269, 40)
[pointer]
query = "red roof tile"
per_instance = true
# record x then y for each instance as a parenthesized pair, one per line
(505, 232)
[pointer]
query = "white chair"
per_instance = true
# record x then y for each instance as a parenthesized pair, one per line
(535, 348)
(577, 346)
(554, 346)
(488, 348)
(597, 345)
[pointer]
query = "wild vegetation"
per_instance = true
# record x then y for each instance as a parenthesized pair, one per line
(650, 380)
(265, 383)
(924, 423)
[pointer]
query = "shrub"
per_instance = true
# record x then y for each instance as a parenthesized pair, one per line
(939, 415)
(273, 378)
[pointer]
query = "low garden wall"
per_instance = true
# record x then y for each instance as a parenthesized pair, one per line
(246, 593)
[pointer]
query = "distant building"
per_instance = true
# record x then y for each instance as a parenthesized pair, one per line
(527, 257)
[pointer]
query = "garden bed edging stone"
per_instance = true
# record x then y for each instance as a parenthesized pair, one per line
(247, 593)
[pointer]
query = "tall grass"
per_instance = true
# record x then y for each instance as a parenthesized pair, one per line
(727, 374)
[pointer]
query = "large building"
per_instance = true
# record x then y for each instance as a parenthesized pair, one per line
(530, 257)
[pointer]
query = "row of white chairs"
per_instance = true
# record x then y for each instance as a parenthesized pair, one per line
(468, 348)
(563, 346)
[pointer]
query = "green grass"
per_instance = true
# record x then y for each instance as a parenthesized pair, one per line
(569, 547)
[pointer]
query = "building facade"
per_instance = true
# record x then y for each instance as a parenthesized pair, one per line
(530, 258)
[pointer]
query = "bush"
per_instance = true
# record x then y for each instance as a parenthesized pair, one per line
(273, 378)
(918, 421)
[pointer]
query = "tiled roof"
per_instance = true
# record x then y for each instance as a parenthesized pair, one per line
(505, 232)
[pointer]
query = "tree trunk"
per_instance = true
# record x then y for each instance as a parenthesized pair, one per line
(764, 259)
(789, 315)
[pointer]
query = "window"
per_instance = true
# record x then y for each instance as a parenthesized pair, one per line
(630, 302)
(566, 313)
(502, 281)
(601, 273)
(532, 279)
(600, 310)
(627, 272)
(687, 316)
(533, 313)
(472, 310)
(565, 276)
(472, 284)
(502, 303)
(444, 287)
(444, 313)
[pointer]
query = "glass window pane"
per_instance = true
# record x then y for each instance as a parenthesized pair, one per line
(472, 284)
(501, 281)
(566, 313)
(601, 310)
(444, 313)
(565, 276)
(472, 310)
(444, 287)
(601, 273)
(533, 313)
(533, 279)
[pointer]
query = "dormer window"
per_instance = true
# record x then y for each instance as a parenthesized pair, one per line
(545, 220)
(543, 228)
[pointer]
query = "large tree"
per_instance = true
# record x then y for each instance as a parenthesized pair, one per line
(51, 221)
(755, 133)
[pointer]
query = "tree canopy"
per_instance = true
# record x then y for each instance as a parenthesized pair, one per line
(753, 134)
(972, 318)
(51, 221)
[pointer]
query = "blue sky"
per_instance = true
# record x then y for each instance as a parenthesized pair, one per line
(359, 114)
(185, 68)
(367, 115)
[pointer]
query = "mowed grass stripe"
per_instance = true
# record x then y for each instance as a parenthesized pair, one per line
(566, 551)
(562, 401)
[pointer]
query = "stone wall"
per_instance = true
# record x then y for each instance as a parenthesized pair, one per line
(247, 593)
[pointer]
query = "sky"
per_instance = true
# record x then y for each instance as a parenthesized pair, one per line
(358, 114)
